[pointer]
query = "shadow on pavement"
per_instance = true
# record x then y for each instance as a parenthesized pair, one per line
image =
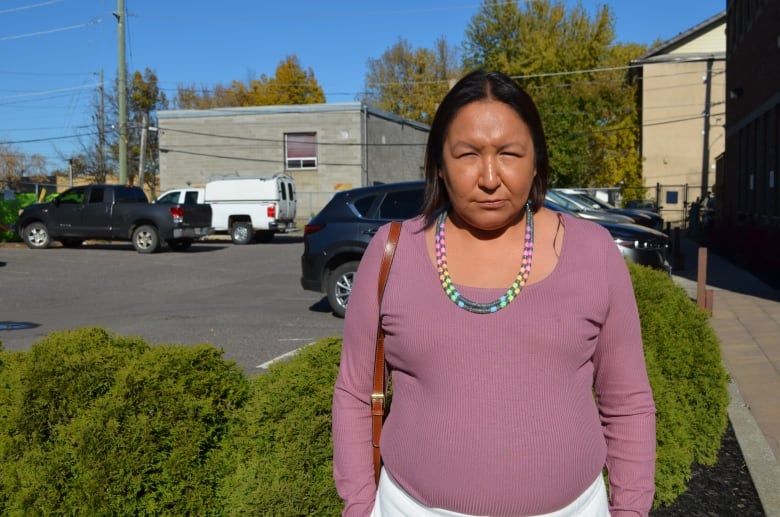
(721, 273)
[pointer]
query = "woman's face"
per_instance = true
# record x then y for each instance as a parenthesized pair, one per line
(488, 157)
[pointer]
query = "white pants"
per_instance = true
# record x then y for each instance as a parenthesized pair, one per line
(393, 501)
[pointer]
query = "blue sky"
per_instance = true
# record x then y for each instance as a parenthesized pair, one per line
(53, 51)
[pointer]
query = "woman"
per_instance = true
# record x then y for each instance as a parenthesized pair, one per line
(512, 335)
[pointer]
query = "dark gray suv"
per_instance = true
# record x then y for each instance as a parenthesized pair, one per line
(335, 239)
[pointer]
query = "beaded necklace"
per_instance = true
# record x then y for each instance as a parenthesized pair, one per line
(511, 293)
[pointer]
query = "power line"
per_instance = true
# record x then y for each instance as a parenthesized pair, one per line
(51, 138)
(314, 15)
(47, 74)
(31, 6)
(94, 21)
(594, 82)
(46, 92)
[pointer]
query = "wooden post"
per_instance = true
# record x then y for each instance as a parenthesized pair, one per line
(704, 296)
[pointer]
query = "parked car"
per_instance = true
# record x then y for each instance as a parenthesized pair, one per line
(335, 239)
(583, 212)
(644, 217)
(637, 243)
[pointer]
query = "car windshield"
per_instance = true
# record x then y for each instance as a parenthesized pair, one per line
(593, 201)
(565, 201)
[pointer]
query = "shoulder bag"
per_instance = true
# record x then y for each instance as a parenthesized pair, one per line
(379, 390)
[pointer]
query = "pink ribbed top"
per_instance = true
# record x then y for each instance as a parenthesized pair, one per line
(494, 414)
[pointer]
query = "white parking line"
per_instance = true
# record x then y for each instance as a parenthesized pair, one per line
(287, 355)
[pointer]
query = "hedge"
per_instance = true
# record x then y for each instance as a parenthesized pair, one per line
(689, 381)
(94, 423)
(9, 212)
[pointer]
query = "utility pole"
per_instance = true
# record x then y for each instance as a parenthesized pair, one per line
(102, 132)
(122, 92)
(705, 154)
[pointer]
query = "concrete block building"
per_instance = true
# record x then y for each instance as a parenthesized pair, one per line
(324, 147)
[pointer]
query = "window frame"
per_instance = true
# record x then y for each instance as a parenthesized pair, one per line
(299, 160)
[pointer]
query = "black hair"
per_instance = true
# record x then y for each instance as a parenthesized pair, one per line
(477, 86)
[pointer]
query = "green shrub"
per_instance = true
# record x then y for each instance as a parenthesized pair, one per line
(9, 212)
(281, 451)
(60, 376)
(134, 434)
(65, 372)
(689, 381)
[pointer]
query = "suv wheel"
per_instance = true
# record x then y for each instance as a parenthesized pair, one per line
(340, 287)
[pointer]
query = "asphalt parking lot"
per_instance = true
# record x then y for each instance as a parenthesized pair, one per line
(246, 300)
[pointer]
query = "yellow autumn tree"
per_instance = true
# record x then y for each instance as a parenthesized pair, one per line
(291, 84)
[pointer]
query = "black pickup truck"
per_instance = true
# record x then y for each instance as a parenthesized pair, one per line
(113, 213)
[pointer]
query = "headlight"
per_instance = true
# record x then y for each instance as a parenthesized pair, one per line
(642, 244)
(623, 243)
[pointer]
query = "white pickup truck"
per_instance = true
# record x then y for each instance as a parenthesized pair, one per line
(246, 208)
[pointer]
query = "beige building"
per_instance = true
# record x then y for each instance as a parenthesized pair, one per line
(683, 89)
(324, 147)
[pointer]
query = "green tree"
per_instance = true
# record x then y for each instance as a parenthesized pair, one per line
(616, 146)
(568, 63)
(410, 82)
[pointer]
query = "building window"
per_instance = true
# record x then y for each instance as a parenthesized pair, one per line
(300, 150)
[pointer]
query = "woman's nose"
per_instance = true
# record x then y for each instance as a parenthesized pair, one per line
(489, 174)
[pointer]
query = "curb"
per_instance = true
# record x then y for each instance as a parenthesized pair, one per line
(761, 463)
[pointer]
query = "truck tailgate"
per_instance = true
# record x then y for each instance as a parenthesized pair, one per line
(196, 215)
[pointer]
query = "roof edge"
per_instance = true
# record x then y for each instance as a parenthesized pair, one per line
(684, 37)
(334, 107)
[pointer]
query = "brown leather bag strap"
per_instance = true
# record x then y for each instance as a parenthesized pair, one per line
(379, 390)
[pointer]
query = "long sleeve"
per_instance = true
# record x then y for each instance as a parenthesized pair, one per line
(353, 469)
(625, 399)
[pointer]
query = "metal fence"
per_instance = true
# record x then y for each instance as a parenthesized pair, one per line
(29, 187)
(676, 203)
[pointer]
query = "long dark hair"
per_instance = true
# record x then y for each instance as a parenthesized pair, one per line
(476, 86)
